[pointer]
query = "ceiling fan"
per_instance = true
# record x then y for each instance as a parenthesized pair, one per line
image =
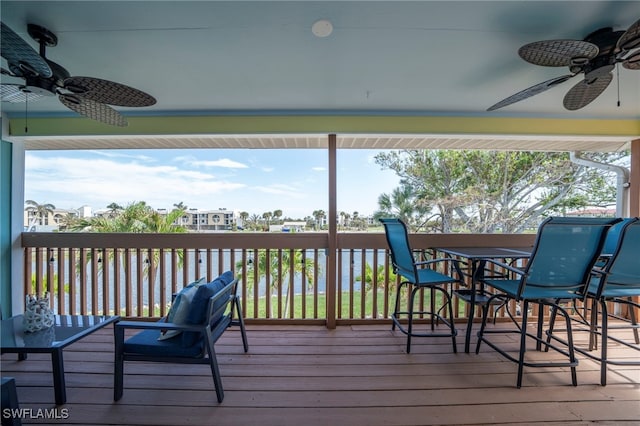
(87, 96)
(596, 57)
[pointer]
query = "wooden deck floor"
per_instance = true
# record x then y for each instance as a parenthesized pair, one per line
(308, 375)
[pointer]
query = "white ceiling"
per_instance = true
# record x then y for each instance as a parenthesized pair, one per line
(383, 57)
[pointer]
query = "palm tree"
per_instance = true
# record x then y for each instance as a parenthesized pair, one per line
(267, 217)
(275, 259)
(244, 216)
(42, 211)
(318, 215)
(277, 214)
(137, 217)
(180, 206)
(401, 203)
(68, 221)
(379, 278)
(254, 220)
(114, 208)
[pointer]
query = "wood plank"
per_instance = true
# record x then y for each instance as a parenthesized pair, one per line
(355, 375)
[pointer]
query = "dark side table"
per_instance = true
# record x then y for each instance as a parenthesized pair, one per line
(66, 330)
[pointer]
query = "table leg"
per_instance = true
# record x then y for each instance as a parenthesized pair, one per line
(59, 386)
(472, 307)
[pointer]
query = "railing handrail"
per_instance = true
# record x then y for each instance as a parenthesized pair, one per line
(220, 240)
(259, 240)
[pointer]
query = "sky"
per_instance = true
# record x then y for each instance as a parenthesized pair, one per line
(256, 181)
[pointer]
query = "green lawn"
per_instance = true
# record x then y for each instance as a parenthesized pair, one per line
(320, 312)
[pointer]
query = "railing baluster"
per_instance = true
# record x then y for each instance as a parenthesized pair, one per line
(363, 283)
(117, 302)
(61, 287)
(127, 282)
(49, 287)
(374, 285)
(339, 284)
(140, 282)
(106, 279)
(162, 271)
(94, 281)
(256, 278)
(72, 281)
(151, 281)
(351, 286)
(291, 286)
(303, 285)
(39, 260)
(315, 283)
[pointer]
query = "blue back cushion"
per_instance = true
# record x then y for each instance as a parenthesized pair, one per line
(565, 250)
(200, 303)
(611, 243)
(398, 240)
(625, 267)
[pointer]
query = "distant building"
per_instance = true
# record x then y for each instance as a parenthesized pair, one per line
(53, 221)
(289, 227)
(209, 220)
(593, 212)
(193, 219)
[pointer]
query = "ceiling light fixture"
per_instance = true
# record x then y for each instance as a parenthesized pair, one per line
(322, 28)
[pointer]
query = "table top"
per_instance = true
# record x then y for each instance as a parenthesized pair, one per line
(66, 330)
(487, 252)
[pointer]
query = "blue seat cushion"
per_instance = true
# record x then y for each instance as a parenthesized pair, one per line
(531, 292)
(200, 303)
(146, 343)
(611, 290)
(430, 277)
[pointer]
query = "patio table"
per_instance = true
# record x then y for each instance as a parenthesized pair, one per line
(66, 330)
(477, 257)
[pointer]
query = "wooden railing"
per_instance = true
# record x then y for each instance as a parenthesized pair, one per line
(134, 275)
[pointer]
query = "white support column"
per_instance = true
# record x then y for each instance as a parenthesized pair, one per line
(16, 209)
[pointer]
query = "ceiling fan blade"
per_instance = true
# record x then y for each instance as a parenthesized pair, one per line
(631, 38)
(531, 91)
(94, 110)
(632, 62)
(108, 92)
(558, 53)
(13, 93)
(19, 54)
(583, 93)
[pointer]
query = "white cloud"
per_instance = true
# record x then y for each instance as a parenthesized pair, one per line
(223, 162)
(255, 181)
(282, 190)
(98, 182)
(119, 154)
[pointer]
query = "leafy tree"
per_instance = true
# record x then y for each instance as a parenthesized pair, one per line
(41, 211)
(483, 191)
